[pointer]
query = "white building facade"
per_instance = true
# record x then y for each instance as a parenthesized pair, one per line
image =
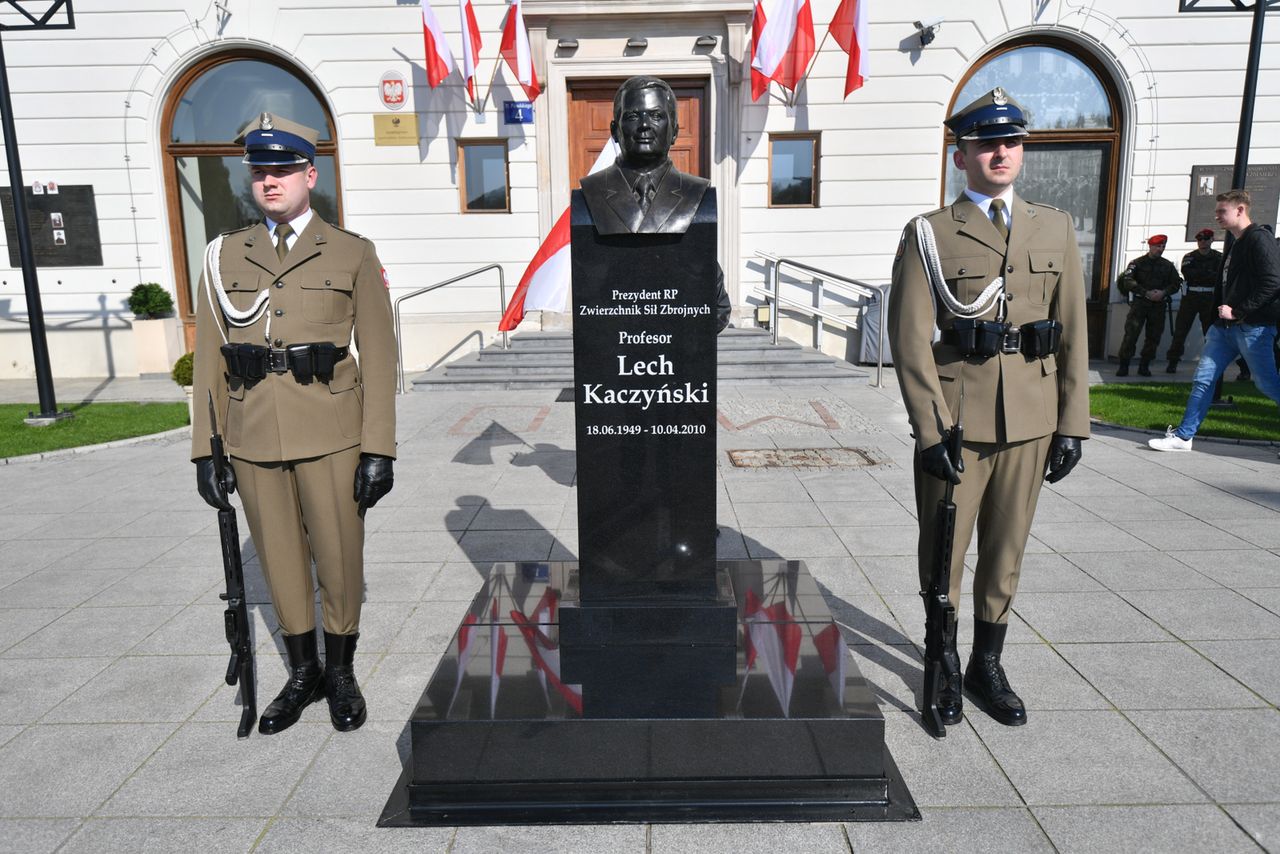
(141, 100)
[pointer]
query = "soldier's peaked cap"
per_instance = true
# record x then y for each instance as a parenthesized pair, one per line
(991, 116)
(270, 140)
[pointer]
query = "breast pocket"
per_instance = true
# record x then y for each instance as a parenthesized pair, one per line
(326, 297)
(244, 288)
(967, 275)
(1045, 269)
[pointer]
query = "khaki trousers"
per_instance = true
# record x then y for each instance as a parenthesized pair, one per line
(999, 489)
(299, 510)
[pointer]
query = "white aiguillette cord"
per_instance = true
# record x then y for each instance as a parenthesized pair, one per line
(233, 315)
(933, 269)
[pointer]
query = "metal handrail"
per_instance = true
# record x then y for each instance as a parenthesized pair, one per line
(853, 286)
(502, 306)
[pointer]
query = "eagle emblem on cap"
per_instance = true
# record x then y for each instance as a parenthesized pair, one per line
(999, 97)
(265, 122)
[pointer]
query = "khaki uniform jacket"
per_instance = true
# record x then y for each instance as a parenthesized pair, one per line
(1007, 397)
(330, 288)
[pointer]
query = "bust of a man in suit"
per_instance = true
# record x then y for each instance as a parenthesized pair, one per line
(643, 192)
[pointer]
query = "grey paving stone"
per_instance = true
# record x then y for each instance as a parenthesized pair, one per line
(487, 546)
(1262, 532)
(1267, 597)
(159, 585)
(8, 732)
(793, 543)
(841, 487)
(396, 684)
(1206, 614)
(34, 835)
(1260, 821)
(171, 522)
(31, 687)
(18, 524)
(380, 624)
(1232, 753)
(1053, 572)
(88, 525)
(768, 488)
(526, 517)
(946, 831)
(456, 582)
(891, 574)
(563, 839)
(197, 629)
(1086, 537)
(429, 628)
(1176, 535)
(1144, 570)
(1237, 570)
(37, 554)
(1157, 676)
(730, 544)
(1042, 678)
(1085, 617)
(1083, 757)
(79, 766)
(881, 540)
(1217, 505)
(148, 835)
(398, 582)
(1147, 829)
(409, 546)
(867, 618)
(116, 553)
(772, 514)
(239, 778)
(58, 588)
(953, 771)
(139, 689)
(1052, 507)
(368, 754)
(344, 835)
(840, 576)
(892, 671)
(1256, 663)
(86, 632)
(842, 514)
(19, 623)
(744, 838)
(416, 517)
(909, 612)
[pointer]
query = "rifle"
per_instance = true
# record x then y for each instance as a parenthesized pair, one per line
(939, 613)
(236, 617)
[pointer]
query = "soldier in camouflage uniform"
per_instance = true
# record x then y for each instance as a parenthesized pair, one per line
(1201, 267)
(1148, 281)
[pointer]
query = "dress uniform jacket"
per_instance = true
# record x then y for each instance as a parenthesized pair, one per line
(329, 288)
(1007, 397)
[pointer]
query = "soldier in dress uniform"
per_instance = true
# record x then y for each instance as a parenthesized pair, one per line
(1149, 282)
(310, 428)
(1001, 277)
(1201, 268)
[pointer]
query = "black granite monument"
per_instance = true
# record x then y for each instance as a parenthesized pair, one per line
(646, 681)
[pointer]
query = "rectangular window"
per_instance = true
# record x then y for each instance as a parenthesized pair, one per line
(793, 170)
(484, 180)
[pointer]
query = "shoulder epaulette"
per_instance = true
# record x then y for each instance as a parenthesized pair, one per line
(240, 229)
(347, 231)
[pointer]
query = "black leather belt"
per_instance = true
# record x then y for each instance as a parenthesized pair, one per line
(1192, 290)
(277, 361)
(305, 361)
(1009, 342)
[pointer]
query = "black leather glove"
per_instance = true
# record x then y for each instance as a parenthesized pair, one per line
(373, 479)
(937, 463)
(211, 490)
(1064, 453)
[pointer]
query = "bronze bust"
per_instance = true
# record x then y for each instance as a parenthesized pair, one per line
(643, 192)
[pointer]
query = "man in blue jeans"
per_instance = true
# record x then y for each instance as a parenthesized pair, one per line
(1248, 308)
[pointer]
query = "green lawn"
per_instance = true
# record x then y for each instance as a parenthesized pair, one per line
(93, 423)
(1154, 406)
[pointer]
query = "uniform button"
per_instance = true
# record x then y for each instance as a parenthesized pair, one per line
(961, 271)
(279, 284)
(1050, 265)
(279, 312)
(327, 283)
(279, 342)
(1009, 269)
(235, 284)
(1008, 297)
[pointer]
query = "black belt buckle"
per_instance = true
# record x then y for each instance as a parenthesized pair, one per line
(277, 361)
(1012, 342)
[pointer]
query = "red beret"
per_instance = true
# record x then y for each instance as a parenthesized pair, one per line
(1204, 232)
(1161, 239)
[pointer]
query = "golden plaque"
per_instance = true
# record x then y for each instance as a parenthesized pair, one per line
(395, 129)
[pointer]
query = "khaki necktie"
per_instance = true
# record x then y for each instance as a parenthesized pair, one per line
(997, 218)
(283, 230)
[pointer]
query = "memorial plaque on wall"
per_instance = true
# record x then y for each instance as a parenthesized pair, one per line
(644, 330)
(63, 220)
(1263, 184)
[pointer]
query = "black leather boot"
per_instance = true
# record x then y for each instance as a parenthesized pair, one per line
(985, 677)
(1123, 370)
(951, 697)
(1144, 368)
(305, 685)
(1173, 367)
(346, 703)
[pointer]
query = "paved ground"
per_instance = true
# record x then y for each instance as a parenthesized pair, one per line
(1145, 640)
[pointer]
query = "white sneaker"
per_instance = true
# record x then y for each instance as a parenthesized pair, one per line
(1170, 442)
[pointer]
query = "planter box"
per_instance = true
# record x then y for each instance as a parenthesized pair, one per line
(157, 345)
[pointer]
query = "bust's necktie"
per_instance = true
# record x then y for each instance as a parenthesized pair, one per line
(997, 218)
(645, 191)
(283, 230)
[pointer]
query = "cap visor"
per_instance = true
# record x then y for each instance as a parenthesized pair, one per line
(996, 132)
(273, 158)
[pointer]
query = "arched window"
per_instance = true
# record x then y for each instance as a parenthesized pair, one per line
(207, 185)
(1071, 159)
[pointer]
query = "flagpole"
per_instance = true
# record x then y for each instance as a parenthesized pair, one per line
(813, 60)
(492, 77)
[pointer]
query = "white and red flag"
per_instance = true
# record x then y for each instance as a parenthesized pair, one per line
(497, 656)
(849, 27)
(773, 637)
(439, 61)
(466, 649)
(544, 652)
(515, 50)
(782, 44)
(470, 46)
(545, 283)
(834, 655)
